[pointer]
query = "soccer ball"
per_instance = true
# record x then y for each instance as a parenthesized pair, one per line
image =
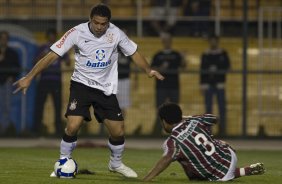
(66, 168)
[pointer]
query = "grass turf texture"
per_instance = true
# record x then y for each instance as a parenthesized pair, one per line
(34, 165)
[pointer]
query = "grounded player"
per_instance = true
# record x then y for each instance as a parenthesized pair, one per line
(191, 144)
(94, 81)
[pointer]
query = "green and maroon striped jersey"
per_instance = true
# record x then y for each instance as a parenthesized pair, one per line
(201, 156)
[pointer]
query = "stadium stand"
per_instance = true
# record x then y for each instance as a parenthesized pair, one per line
(191, 101)
(126, 9)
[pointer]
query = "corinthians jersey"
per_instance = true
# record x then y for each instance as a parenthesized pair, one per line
(201, 156)
(95, 58)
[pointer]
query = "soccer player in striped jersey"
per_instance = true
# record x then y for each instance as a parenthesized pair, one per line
(192, 145)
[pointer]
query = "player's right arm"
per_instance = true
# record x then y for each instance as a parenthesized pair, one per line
(161, 165)
(170, 155)
(24, 82)
(58, 49)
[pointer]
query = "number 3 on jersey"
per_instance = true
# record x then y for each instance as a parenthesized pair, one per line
(201, 139)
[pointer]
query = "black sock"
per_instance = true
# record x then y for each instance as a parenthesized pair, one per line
(69, 139)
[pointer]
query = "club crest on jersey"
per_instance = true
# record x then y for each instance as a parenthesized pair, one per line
(110, 37)
(73, 105)
(100, 54)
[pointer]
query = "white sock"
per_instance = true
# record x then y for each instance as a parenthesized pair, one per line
(242, 172)
(116, 154)
(66, 149)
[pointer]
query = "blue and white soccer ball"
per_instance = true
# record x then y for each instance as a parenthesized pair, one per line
(66, 168)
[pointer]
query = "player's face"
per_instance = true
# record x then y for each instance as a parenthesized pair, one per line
(213, 43)
(167, 43)
(99, 25)
(167, 127)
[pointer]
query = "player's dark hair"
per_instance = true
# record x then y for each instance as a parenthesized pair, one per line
(170, 112)
(101, 10)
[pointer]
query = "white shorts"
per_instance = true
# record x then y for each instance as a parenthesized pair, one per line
(123, 94)
(231, 171)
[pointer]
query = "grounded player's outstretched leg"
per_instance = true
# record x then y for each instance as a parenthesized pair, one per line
(69, 139)
(116, 145)
(253, 169)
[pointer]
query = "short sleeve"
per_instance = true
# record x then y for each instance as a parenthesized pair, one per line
(170, 148)
(209, 119)
(127, 46)
(68, 40)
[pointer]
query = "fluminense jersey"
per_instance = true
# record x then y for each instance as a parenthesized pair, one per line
(95, 58)
(201, 156)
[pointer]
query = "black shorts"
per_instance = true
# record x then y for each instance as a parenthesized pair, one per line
(83, 97)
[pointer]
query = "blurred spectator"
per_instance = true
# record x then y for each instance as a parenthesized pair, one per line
(164, 15)
(201, 9)
(49, 83)
(10, 69)
(124, 84)
(107, 2)
(168, 62)
(214, 65)
(124, 87)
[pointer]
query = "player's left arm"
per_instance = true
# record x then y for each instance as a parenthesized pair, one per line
(142, 63)
(161, 165)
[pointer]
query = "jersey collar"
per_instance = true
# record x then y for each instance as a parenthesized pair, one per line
(90, 29)
(178, 125)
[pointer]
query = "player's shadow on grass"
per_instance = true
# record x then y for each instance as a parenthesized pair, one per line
(102, 177)
(179, 180)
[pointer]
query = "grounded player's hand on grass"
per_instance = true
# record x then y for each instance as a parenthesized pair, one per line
(22, 84)
(154, 73)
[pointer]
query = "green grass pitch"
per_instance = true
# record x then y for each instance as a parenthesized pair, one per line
(34, 165)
